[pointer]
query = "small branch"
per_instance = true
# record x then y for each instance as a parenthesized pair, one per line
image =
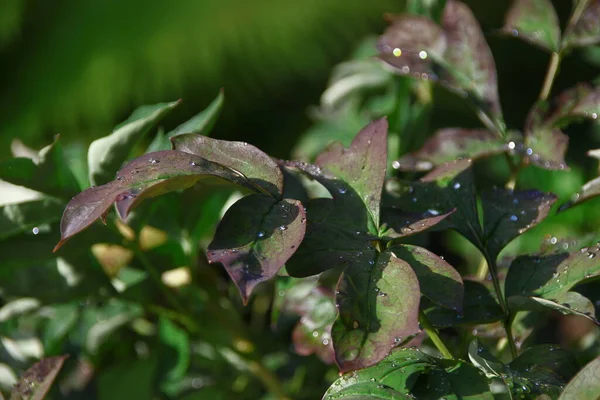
(269, 381)
(434, 336)
(581, 5)
(550, 75)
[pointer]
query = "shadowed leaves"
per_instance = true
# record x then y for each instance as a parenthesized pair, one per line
(37, 380)
(585, 385)
(586, 31)
(536, 22)
(378, 304)
(256, 237)
(149, 175)
(408, 374)
(449, 144)
(569, 303)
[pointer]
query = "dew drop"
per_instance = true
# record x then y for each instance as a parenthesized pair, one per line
(512, 145)
(397, 52)
(315, 333)
(422, 54)
(529, 151)
(342, 190)
(456, 186)
(514, 218)
(193, 164)
(325, 342)
(154, 161)
(591, 255)
(594, 116)
(282, 227)
(433, 212)
(260, 234)
(382, 294)
(35, 230)
(396, 165)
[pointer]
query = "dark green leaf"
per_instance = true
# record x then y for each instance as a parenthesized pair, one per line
(552, 275)
(362, 166)
(28, 216)
(411, 374)
(480, 307)
(256, 237)
(249, 161)
(586, 31)
(534, 21)
(585, 385)
(448, 144)
(378, 303)
(507, 214)
(438, 280)
(547, 357)
(106, 154)
(128, 380)
(48, 173)
(203, 122)
(174, 351)
(147, 176)
(569, 303)
(38, 379)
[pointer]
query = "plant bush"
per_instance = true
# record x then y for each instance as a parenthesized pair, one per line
(336, 251)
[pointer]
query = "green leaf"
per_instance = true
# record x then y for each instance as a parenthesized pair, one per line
(257, 167)
(586, 32)
(450, 144)
(588, 191)
(128, 380)
(49, 173)
(585, 385)
(28, 216)
(480, 307)
(487, 363)
(37, 380)
(409, 374)
(256, 237)
(508, 213)
(378, 304)
(552, 275)
(569, 303)
(362, 166)
(203, 122)
(438, 280)
(147, 176)
(545, 144)
(106, 154)
(174, 351)
(536, 22)
(449, 187)
(580, 101)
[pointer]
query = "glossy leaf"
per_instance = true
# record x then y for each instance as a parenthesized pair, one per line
(256, 237)
(449, 187)
(47, 173)
(397, 223)
(147, 176)
(378, 304)
(480, 307)
(448, 144)
(487, 363)
(37, 380)
(569, 303)
(586, 31)
(27, 216)
(534, 21)
(248, 160)
(507, 214)
(409, 374)
(438, 280)
(552, 275)
(107, 154)
(585, 385)
(362, 166)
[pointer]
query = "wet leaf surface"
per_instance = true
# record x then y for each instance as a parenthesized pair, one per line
(37, 380)
(256, 237)
(588, 191)
(545, 144)
(397, 223)
(378, 304)
(534, 21)
(587, 30)
(569, 303)
(582, 101)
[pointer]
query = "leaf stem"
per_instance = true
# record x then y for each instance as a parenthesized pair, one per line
(550, 75)
(434, 336)
(579, 8)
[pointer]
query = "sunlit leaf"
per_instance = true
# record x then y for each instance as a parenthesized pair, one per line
(507, 214)
(256, 237)
(534, 21)
(586, 31)
(106, 154)
(448, 144)
(585, 385)
(248, 160)
(409, 374)
(47, 173)
(378, 302)
(438, 280)
(569, 303)
(147, 176)
(37, 380)
(552, 275)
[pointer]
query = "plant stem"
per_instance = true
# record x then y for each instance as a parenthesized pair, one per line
(434, 336)
(269, 381)
(550, 75)
(581, 5)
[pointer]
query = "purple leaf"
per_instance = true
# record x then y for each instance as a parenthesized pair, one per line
(449, 144)
(362, 166)
(378, 304)
(581, 101)
(149, 175)
(534, 21)
(250, 161)
(586, 32)
(545, 145)
(569, 303)
(37, 380)
(398, 223)
(256, 237)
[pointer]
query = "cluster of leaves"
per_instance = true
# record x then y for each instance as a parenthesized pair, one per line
(341, 236)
